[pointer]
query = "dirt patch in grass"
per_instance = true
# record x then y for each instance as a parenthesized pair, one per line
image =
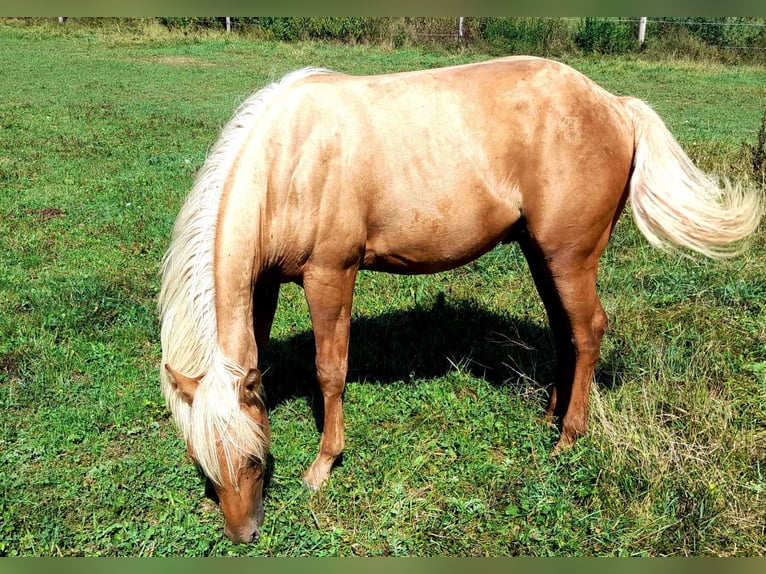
(175, 61)
(46, 213)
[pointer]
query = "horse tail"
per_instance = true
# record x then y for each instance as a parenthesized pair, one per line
(675, 204)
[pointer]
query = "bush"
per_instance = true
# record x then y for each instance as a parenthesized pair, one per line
(352, 29)
(604, 36)
(190, 22)
(729, 40)
(758, 154)
(538, 36)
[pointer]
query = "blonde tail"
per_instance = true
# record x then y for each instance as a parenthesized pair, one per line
(675, 204)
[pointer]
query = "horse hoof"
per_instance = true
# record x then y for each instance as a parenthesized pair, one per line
(313, 480)
(548, 420)
(564, 444)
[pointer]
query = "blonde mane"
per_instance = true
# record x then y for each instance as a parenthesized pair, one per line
(189, 333)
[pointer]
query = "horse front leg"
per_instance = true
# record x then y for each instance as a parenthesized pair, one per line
(329, 293)
(265, 298)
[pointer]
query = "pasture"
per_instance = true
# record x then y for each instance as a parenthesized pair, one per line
(101, 133)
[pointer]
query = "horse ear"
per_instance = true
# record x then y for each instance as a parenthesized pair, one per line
(250, 389)
(187, 386)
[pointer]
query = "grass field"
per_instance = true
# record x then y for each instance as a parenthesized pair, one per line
(100, 136)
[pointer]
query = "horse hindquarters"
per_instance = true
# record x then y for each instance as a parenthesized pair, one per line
(567, 223)
(674, 204)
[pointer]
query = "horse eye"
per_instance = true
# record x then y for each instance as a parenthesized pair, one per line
(255, 464)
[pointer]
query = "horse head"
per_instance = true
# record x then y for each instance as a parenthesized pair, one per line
(237, 473)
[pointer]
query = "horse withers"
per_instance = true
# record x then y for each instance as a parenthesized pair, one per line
(321, 174)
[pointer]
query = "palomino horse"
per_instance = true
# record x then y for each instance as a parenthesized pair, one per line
(321, 174)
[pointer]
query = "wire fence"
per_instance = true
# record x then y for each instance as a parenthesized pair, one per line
(756, 25)
(697, 37)
(744, 35)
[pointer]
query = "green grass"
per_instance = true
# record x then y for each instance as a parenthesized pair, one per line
(100, 135)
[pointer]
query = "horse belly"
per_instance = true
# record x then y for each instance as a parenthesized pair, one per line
(436, 237)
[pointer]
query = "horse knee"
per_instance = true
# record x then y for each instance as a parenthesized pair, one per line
(587, 346)
(600, 322)
(587, 341)
(331, 372)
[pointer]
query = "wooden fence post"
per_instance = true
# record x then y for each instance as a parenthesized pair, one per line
(642, 30)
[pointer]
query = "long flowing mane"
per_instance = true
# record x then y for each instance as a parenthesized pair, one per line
(189, 333)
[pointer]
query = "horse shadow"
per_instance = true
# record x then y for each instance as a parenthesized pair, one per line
(427, 342)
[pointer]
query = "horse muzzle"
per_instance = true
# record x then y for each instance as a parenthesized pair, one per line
(242, 535)
(245, 530)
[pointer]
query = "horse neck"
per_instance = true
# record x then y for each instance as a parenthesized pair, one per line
(238, 259)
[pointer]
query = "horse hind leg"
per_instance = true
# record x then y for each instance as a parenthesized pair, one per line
(567, 284)
(580, 353)
(329, 294)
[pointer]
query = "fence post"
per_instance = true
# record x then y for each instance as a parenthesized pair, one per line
(460, 28)
(228, 23)
(642, 30)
